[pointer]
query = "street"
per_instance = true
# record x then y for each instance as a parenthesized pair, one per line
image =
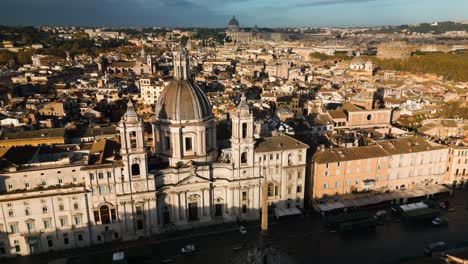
(304, 240)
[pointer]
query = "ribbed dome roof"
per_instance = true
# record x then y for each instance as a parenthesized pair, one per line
(233, 22)
(182, 100)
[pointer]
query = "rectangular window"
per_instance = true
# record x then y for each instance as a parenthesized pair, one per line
(30, 226)
(17, 248)
(299, 189)
(14, 228)
(188, 144)
(61, 207)
(46, 223)
(325, 185)
(139, 210)
(80, 237)
(77, 219)
(96, 216)
(91, 176)
(244, 130)
(289, 190)
(244, 195)
(109, 174)
(63, 221)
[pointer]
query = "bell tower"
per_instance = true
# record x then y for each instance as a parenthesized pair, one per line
(181, 65)
(133, 147)
(242, 138)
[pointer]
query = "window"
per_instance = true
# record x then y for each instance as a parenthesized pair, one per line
(244, 196)
(10, 186)
(326, 173)
(357, 181)
(60, 180)
(168, 143)
(299, 189)
(135, 169)
(63, 221)
(325, 185)
(299, 175)
(61, 207)
(338, 164)
(91, 176)
(26, 184)
(347, 183)
(80, 237)
(289, 190)
(46, 223)
(77, 219)
(96, 216)
(75, 206)
(11, 213)
(244, 157)
(30, 226)
(14, 228)
(74, 179)
(101, 175)
(188, 144)
(271, 189)
(337, 184)
(27, 211)
(109, 174)
(244, 130)
(17, 248)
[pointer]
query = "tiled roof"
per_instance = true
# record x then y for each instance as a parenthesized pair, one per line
(278, 143)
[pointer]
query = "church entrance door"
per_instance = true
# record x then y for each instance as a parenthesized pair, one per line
(193, 211)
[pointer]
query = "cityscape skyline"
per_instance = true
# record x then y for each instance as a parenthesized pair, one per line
(214, 13)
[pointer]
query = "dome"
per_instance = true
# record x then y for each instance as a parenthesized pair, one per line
(233, 22)
(130, 114)
(182, 100)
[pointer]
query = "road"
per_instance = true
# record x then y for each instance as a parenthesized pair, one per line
(304, 240)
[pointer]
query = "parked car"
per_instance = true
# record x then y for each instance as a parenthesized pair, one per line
(119, 258)
(380, 214)
(242, 230)
(436, 247)
(190, 248)
(440, 221)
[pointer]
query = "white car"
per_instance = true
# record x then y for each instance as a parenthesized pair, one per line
(190, 248)
(242, 230)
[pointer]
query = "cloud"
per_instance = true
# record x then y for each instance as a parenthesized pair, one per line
(331, 2)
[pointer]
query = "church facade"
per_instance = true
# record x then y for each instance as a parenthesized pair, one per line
(106, 192)
(237, 35)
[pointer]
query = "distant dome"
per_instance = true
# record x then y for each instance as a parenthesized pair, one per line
(182, 100)
(233, 22)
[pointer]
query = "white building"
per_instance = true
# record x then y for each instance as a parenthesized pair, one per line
(150, 89)
(106, 192)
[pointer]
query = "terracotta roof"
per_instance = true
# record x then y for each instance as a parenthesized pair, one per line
(408, 145)
(278, 143)
(337, 114)
(27, 135)
(345, 154)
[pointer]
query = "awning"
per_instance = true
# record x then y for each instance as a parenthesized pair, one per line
(325, 207)
(279, 212)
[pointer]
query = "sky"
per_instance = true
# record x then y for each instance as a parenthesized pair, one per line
(216, 13)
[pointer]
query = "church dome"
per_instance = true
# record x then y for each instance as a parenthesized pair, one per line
(182, 100)
(233, 22)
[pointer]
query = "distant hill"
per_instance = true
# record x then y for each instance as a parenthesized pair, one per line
(440, 28)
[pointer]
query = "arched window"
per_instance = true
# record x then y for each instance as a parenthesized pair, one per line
(135, 169)
(271, 190)
(105, 214)
(244, 157)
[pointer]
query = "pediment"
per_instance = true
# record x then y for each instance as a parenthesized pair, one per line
(192, 179)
